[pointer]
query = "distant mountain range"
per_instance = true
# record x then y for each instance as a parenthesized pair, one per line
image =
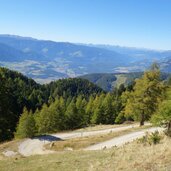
(45, 61)
(108, 81)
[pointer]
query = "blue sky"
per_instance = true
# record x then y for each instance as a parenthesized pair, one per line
(137, 23)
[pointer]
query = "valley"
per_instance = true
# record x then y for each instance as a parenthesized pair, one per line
(46, 61)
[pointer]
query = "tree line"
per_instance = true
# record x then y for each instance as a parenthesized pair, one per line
(68, 114)
(17, 91)
(75, 103)
(137, 102)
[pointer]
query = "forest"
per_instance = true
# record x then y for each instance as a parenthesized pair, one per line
(29, 109)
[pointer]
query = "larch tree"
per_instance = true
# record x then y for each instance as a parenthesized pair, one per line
(46, 120)
(89, 109)
(108, 110)
(146, 96)
(98, 112)
(72, 116)
(26, 126)
(162, 116)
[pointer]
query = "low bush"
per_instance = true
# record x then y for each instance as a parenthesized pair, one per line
(151, 139)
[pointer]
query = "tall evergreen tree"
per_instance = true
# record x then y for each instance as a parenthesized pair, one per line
(73, 119)
(46, 120)
(80, 104)
(108, 110)
(146, 95)
(26, 126)
(89, 110)
(162, 116)
(98, 113)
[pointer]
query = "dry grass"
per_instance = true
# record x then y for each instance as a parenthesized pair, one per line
(102, 127)
(10, 145)
(83, 142)
(131, 157)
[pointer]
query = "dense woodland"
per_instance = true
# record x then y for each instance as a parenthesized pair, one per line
(28, 109)
(17, 92)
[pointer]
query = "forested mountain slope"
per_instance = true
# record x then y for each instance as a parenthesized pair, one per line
(17, 91)
(109, 81)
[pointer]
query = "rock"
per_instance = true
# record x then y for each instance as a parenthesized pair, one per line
(68, 149)
(8, 153)
(52, 144)
(104, 147)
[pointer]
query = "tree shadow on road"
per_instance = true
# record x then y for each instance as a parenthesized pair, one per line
(48, 138)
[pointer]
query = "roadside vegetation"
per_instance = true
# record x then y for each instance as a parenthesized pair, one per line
(131, 157)
(137, 102)
(83, 142)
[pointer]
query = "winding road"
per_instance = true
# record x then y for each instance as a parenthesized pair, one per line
(119, 141)
(36, 145)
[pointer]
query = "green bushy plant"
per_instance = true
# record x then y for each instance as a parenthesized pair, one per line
(151, 139)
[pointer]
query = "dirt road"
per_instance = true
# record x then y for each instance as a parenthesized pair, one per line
(119, 141)
(36, 145)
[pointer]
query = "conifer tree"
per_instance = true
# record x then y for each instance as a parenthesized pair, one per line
(80, 104)
(57, 112)
(162, 116)
(108, 110)
(146, 95)
(26, 126)
(89, 110)
(98, 113)
(46, 120)
(73, 119)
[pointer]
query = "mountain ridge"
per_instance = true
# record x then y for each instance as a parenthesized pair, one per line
(45, 60)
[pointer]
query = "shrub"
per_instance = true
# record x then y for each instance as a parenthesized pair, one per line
(153, 138)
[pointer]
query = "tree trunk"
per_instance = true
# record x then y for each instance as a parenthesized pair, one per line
(142, 119)
(169, 128)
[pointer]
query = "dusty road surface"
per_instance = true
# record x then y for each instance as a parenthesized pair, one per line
(36, 145)
(119, 141)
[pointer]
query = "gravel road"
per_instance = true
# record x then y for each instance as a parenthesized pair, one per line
(36, 145)
(119, 141)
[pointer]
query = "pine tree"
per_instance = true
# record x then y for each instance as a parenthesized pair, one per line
(89, 110)
(80, 104)
(98, 112)
(162, 116)
(57, 111)
(108, 110)
(73, 119)
(62, 117)
(7, 117)
(46, 120)
(26, 126)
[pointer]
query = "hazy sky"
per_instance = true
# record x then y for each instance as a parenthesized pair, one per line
(138, 23)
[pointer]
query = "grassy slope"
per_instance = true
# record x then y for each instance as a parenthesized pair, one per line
(83, 142)
(132, 157)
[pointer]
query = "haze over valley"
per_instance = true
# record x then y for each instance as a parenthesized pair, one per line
(45, 61)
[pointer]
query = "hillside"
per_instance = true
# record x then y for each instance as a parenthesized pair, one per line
(139, 53)
(45, 61)
(18, 91)
(128, 157)
(108, 81)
